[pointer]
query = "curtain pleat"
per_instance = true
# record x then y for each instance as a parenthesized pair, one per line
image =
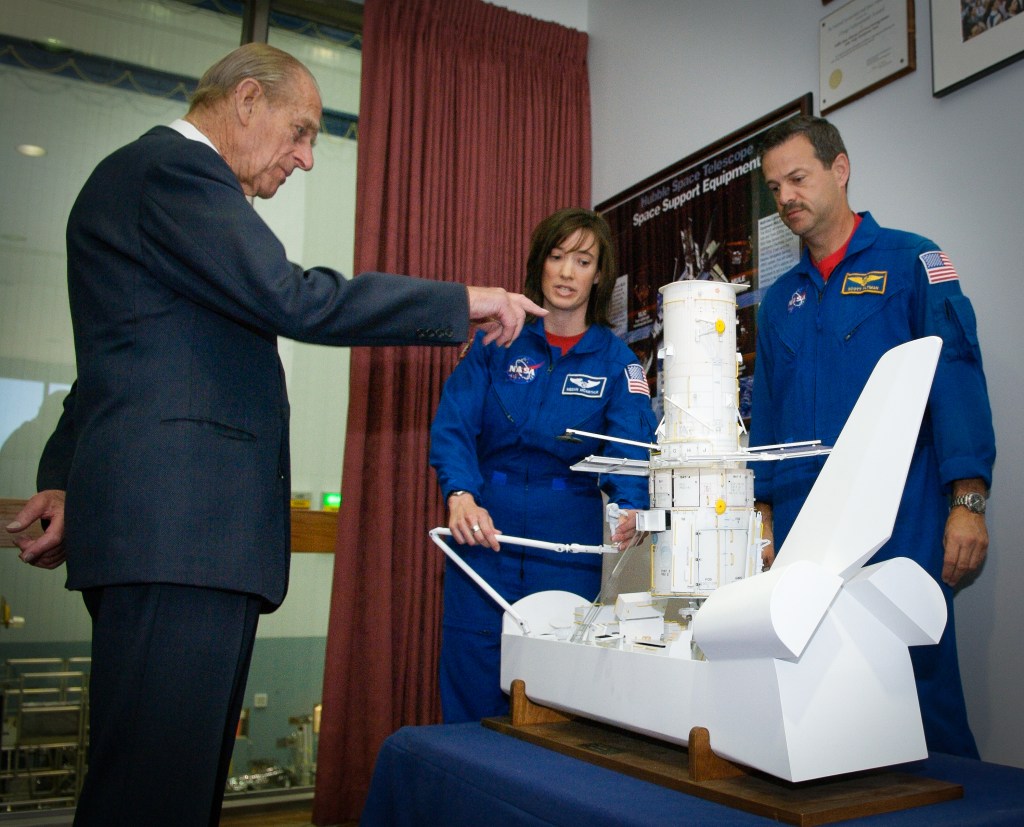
(474, 124)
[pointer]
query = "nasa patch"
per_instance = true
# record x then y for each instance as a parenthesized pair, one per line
(579, 384)
(797, 300)
(521, 372)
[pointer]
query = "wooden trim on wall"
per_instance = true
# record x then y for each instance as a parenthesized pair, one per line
(312, 531)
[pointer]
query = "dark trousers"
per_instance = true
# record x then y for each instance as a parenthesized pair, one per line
(169, 665)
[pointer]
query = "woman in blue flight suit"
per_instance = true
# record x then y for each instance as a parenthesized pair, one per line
(503, 463)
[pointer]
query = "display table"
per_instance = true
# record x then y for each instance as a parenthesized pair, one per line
(466, 774)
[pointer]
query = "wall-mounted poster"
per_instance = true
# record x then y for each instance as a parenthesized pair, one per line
(708, 216)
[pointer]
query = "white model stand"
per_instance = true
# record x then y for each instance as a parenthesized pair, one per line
(806, 672)
(802, 672)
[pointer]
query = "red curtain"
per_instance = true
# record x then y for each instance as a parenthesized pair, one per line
(474, 124)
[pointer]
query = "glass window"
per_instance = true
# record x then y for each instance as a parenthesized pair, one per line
(85, 77)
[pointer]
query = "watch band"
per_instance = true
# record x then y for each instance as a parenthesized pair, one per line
(973, 501)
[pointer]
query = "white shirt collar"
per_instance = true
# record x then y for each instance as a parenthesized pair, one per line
(192, 133)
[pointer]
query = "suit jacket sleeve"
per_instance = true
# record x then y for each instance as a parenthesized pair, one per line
(55, 462)
(203, 240)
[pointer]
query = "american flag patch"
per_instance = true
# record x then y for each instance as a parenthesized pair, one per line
(938, 267)
(637, 380)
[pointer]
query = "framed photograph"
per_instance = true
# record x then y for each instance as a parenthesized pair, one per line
(973, 38)
(863, 45)
(708, 216)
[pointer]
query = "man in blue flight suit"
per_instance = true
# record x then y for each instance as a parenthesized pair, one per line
(858, 291)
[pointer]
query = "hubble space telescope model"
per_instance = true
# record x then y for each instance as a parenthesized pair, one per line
(802, 671)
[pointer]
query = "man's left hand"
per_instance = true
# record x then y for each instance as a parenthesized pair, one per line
(47, 550)
(965, 542)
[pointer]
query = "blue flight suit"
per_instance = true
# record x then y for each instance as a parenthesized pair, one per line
(817, 343)
(496, 435)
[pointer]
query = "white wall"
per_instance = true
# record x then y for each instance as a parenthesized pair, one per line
(669, 77)
(571, 13)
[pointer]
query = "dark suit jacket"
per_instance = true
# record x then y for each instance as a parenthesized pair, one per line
(173, 447)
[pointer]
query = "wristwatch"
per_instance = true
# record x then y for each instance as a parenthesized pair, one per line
(455, 494)
(972, 501)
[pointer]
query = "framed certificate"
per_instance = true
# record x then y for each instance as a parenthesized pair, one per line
(863, 45)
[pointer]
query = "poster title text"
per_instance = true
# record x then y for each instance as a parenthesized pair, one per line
(709, 177)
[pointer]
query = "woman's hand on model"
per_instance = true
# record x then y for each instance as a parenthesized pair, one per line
(470, 523)
(625, 534)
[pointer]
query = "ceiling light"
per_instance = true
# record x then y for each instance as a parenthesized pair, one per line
(31, 150)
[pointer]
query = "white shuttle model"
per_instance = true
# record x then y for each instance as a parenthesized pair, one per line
(802, 671)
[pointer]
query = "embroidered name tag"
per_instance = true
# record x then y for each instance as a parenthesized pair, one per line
(579, 384)
(855, 284)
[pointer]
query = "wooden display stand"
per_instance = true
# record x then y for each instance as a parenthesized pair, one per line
(697, 771)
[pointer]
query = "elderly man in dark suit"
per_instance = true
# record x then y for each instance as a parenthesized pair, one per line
(173, 445)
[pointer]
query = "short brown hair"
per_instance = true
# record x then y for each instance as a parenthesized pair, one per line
(824, 137)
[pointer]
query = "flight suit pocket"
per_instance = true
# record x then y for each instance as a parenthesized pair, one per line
(883, 318)
(958, 326)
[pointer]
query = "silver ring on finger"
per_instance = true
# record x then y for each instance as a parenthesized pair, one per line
(476, 528)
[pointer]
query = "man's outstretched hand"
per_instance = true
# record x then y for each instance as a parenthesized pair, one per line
(500, 313)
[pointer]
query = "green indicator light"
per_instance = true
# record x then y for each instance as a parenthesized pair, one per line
(331, 500)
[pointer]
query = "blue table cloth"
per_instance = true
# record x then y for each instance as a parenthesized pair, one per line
(466, 774)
